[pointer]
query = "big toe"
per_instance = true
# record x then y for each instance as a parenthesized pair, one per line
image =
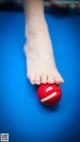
(58, 78)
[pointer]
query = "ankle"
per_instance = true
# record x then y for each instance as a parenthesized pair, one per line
(34, 29)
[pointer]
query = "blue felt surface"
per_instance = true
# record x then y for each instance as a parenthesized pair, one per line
(21, 114)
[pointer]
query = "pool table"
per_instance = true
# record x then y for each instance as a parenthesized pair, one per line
(21, 113)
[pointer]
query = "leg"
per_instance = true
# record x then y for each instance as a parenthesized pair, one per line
(41, 66)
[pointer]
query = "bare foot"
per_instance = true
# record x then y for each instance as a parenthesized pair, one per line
(41, 66)
(40, 61)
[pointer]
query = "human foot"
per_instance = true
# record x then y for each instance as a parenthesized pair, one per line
(41, 66)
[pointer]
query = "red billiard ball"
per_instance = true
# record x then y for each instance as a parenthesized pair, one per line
(49, 94)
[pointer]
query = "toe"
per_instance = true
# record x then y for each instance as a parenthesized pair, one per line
(44, 78)
(32, 79)
(58, 78)
(50, 79)
(38, 80)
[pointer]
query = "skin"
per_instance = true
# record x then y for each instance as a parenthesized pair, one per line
(40, 61)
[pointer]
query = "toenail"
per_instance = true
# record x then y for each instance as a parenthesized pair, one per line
(44, 81)
(51, 81)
